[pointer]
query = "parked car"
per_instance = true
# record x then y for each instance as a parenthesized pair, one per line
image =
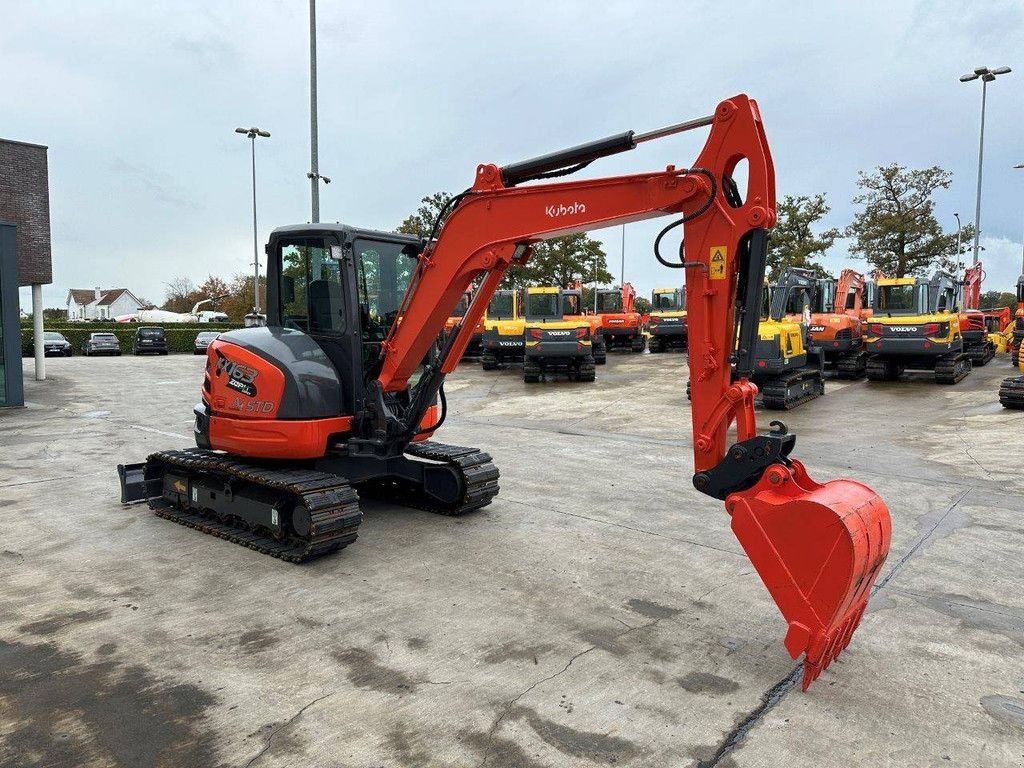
(101, 344)
(203, 341)
(150, 341)
(54, 344)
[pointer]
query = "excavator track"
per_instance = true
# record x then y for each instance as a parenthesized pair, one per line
(785, 392)
(981, 353)
(880, 369)
(479, 478)
(332, 504)
(1011, 393)
(852, 367)
(949, 369)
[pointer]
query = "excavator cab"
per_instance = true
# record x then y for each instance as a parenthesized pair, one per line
(667, 322)
(502, 339)
(788, 368)
(621, 324)
(556, 338)
(915, 325)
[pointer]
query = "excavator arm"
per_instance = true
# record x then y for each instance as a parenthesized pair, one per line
(849, 279)
(818, 548)
(972, 286)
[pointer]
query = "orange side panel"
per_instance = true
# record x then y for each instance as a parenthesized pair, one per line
(275, 439)
(281, 439)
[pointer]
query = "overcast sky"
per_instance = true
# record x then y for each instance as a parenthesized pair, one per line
(138, 103)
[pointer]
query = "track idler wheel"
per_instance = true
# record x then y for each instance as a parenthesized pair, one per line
(818, 549)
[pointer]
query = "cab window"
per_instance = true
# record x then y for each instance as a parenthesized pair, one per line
(312, 298)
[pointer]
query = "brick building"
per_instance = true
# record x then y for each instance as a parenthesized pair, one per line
(25, 257)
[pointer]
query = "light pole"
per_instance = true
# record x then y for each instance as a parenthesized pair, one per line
(314, 160)
(987, 76)
(1019, 166)
(622, 268)
(252, 133)
(958, 228)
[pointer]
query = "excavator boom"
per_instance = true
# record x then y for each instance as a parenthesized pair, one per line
(817, 547)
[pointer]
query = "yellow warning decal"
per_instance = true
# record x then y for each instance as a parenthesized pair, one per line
(716, 270)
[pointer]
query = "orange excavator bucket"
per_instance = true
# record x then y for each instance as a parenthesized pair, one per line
(818, 548)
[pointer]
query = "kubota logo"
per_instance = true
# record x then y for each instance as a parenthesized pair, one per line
(555, 211)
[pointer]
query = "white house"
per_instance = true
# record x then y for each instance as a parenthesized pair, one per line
(101, 304)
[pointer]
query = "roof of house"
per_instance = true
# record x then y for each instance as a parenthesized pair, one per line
(83, 296)
(108, 296)
(112, 295)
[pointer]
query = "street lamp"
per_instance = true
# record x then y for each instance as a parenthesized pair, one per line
(1019, 166)
(987, 76)
(252, 133)
(958, 228)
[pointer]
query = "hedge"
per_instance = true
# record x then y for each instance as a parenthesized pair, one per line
(180, 336)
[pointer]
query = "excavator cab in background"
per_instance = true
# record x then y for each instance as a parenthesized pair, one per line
(835, 325)
(474, 346)
(1018, 326)
(551, 343)
(337, 397)
(915, 325)
(504, 325)
(666, 323)
(790, 369)
(621, 326)
(973, 326)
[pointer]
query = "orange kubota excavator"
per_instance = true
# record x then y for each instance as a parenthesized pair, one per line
(342, 388)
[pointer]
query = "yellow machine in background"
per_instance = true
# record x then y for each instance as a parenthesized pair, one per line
(666, 322)
(916, 325)
(557, 338)
(502, 339)
(789, 369)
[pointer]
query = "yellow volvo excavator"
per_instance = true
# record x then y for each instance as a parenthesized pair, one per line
(504, 325)
(667, 320)
(915, 325)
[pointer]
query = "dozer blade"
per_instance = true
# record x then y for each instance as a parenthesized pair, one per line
(818, 549)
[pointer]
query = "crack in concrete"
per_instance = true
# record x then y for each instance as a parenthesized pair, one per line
(769, 701)
(922, 540)
(512, 702)
(967, 445)
(774, 695)
(284, 725)
(626, 527)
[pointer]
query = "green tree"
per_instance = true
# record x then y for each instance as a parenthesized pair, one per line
(564, 260)
(997, 300)
(643, 306)
(421, 222)
(793, 242)
(896, 231)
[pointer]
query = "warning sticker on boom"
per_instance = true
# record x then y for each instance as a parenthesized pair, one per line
(716, 270)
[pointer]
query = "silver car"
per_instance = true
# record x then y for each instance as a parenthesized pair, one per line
(101, 344)
(55, 344)
(203, 340)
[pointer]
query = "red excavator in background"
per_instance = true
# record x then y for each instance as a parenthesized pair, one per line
(973, 326)
(341, 390)
(621, 324)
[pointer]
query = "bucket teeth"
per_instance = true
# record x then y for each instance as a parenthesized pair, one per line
(826, 647)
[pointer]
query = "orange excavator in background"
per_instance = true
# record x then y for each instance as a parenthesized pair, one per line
(337, 397)
(621, 324)
(835, 330)
(973, 325)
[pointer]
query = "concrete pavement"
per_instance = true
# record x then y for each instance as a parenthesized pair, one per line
(598, 612)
